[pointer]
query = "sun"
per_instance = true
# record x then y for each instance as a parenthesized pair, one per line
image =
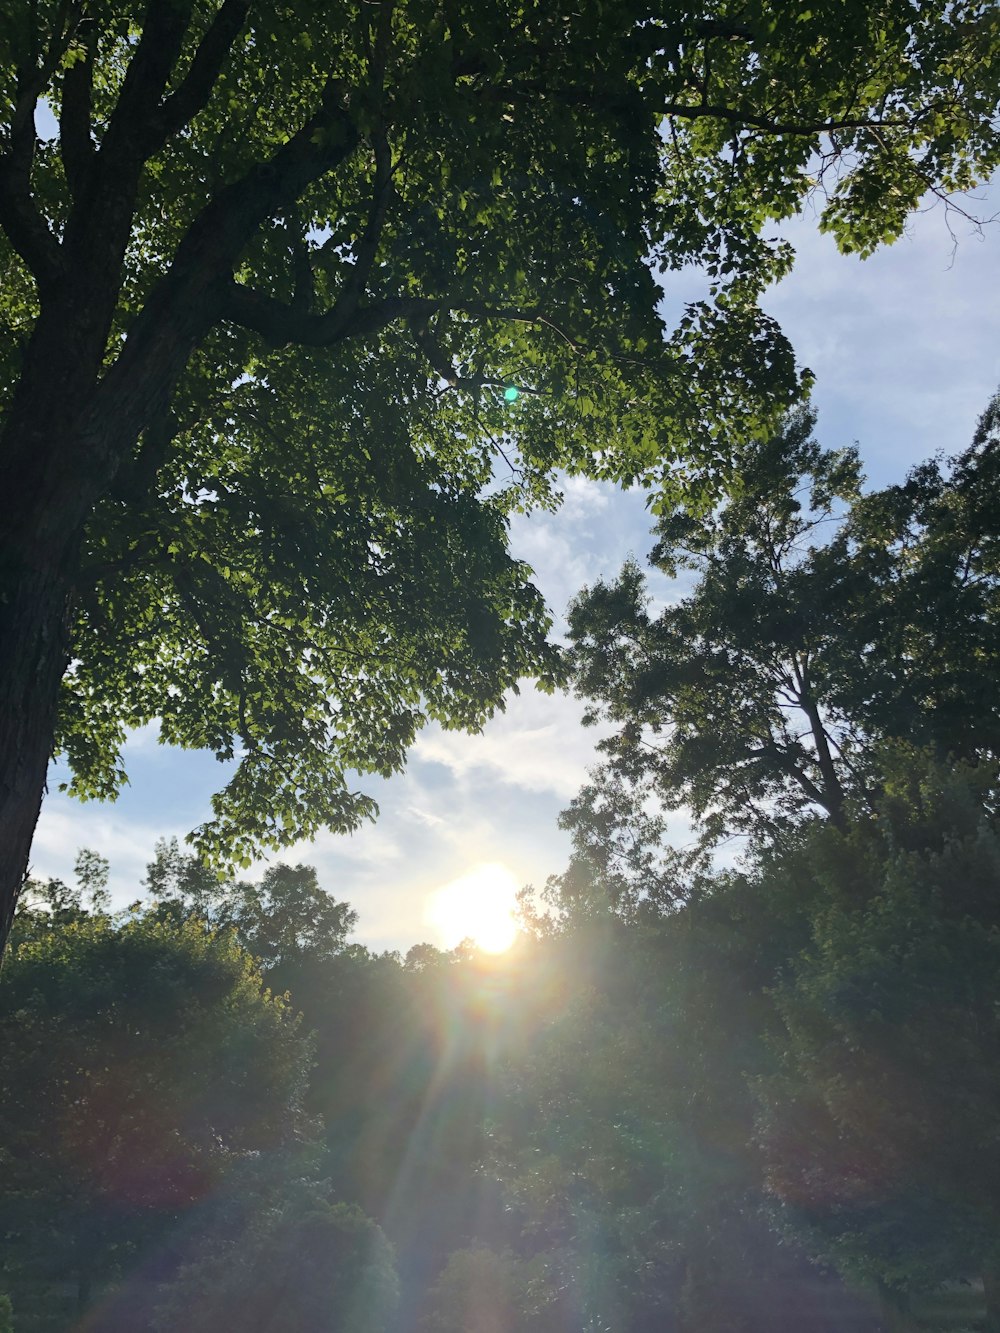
(477, 906)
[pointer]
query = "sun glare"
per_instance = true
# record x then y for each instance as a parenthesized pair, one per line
(478, 906)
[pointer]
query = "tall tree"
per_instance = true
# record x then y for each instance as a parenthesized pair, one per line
(878, 1123)
(270, 280)
(141, 1062)
(302, 1263)
(286, 920)
(820, 620)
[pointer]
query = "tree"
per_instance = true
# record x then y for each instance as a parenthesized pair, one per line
(625, 1138)
(141, 1064)
(821, 620)
(286, 920)
(304, 1264)
(878, 1124)
(270, 281)
(478, 1291)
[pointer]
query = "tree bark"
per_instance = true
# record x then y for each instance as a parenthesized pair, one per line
(33, 658)
(833, 792)
(66, 434)
(49, 487)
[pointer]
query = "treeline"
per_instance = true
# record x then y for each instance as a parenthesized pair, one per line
(209, 1097)
(705, 1093)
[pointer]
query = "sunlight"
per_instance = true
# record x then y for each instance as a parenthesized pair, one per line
(477, 906)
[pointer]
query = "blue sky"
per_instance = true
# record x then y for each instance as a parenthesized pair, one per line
(905, 347)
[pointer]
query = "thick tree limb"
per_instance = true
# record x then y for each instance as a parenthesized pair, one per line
(20, 217)
(75, 142)
(280, 324)
(27, 230)
(195, 88)
(132, 131)
(192, 295)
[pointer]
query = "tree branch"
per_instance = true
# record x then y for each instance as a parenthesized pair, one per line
(730, 32)
(354, 287)
(280, 324)
(195, 88)
(20, 218)
(303, 277)
(75, 142)
(195, 291)
(747, 119)
(701, 110)
(134, 126)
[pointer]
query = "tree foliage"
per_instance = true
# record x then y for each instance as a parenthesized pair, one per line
(142, 1062)
(876, 1127)
(820, 621)
(304, 1264)
(267, 275)
(285, 920)
(687, 1103)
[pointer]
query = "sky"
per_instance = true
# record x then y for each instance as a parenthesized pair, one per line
(905, 347)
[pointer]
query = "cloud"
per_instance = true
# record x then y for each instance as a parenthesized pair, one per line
(595, 530)
(537, 745)
(145, 738)
(66, 825)
(905, 348)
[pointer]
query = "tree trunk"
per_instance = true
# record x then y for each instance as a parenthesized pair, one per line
(33, 658)
(833, 792)
(49, 486)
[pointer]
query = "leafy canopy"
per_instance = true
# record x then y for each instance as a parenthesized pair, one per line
(272, 278)
(819, 621)
(143, 1063)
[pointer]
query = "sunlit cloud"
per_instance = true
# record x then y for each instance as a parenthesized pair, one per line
(537, 745)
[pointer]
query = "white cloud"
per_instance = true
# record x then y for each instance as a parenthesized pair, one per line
(594, 531)
(66, 825)
(905, 346)
(426, 817)
(537, 745)
(144, 738)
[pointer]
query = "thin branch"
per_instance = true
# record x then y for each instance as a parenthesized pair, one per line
(354, 287)
(730, 32)
(20, 218)
(741, 117)
(303, 275)
(701, 110)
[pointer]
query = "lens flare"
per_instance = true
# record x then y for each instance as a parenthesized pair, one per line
(477, 906)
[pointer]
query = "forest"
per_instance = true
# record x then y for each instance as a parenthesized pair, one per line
(691, 1097)
(303, 307)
